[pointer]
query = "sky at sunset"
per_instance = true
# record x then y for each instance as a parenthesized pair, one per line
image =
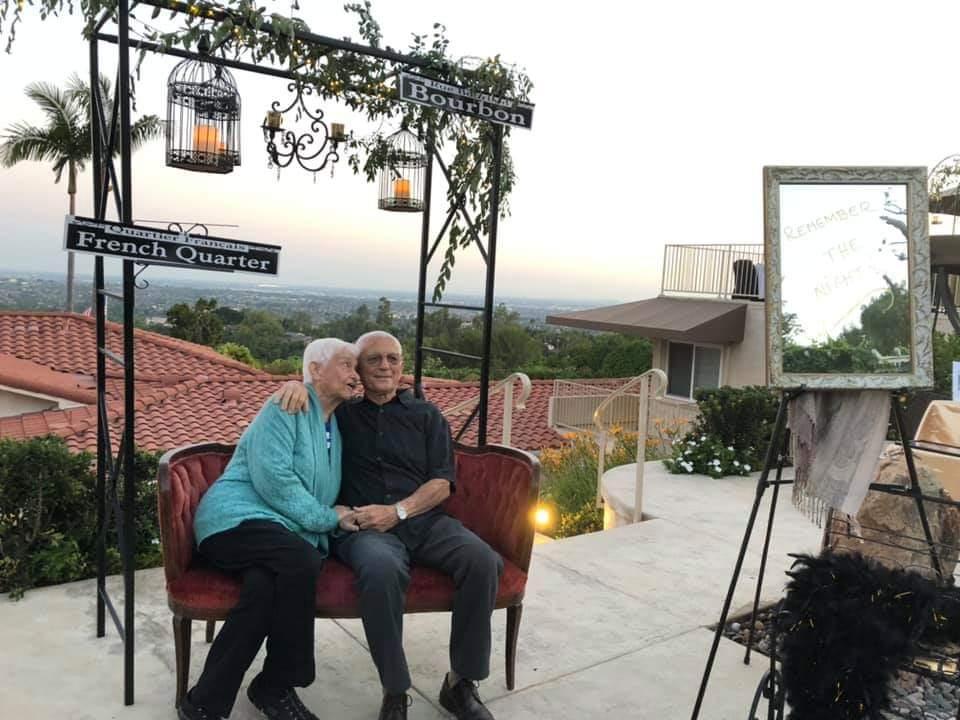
(652, 124)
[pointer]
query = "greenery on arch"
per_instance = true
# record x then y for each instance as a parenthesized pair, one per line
(242, 29)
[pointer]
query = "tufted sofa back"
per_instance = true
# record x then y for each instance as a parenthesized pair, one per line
(497, 490)
(184, 475)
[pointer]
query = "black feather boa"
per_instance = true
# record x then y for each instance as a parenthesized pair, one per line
(845, 626)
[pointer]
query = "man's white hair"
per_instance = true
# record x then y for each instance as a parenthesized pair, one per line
(373, 335)
(321, 351)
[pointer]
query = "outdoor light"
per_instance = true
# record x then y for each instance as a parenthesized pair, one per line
(285, 146)
(272, 121)
(542, 517)
(203, 118)
(401, 181)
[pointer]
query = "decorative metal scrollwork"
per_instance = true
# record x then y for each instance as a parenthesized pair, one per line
(314, 149)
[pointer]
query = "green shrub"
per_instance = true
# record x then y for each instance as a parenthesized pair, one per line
(570, 479)
(587, 519)
(706, 455)
(731, 434)
(946, 349)
(830, 356)
(741, 417)
(48, 514)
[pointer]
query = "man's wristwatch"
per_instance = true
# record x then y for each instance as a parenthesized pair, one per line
(401, 511)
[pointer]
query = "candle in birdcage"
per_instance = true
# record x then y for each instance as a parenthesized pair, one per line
(337, 132)
(401, 188)
(206, 138)
(273, 120)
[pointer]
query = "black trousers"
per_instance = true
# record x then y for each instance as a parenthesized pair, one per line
(381, 562)
(279, 571)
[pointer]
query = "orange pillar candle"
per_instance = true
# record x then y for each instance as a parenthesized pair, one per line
(206, 138)
(401, 188)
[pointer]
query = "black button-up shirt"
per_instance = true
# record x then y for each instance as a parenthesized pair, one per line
(390, 450)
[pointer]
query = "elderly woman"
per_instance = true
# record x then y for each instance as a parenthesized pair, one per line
(266, 519)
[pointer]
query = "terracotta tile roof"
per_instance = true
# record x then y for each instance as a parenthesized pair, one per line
(68, 342)
(529, 427)
(187, 393)
(36, 378)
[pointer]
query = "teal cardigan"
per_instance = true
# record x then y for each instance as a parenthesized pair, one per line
(280, 471)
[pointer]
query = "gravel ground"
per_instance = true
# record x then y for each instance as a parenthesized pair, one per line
(912, 696)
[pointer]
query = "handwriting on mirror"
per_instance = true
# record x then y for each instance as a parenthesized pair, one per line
(795, 232)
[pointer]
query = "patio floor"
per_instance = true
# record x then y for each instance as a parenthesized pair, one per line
(613, 624)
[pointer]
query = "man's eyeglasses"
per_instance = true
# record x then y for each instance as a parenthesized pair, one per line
(393, 359)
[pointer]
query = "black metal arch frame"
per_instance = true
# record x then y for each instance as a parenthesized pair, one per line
(105, 134)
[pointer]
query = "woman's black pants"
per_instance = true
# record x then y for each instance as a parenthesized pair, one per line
(279, 571)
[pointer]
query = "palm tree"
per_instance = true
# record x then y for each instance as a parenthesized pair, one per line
(65, 140)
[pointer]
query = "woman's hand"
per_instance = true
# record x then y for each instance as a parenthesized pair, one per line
(347, 517)
(292, 397)
(376, 517)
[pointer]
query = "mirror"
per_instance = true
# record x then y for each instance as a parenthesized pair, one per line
(848, 277)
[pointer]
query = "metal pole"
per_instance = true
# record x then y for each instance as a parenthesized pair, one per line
(915, 488)
(103, 445)
(762, 483)
(643, 413)
(491, 272)
(424, 262)
(129, 479)
(766, 550)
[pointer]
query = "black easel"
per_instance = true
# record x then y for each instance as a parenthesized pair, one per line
(777, 452)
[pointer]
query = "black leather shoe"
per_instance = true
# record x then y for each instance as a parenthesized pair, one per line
(189, 711)
(283, 706)
(463, 700)
(394, 707)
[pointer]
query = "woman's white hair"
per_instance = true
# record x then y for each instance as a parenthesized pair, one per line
(369, 337)
(321, 351)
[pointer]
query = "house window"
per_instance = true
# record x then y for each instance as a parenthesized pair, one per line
(690, 367)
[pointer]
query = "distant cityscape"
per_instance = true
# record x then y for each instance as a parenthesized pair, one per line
(39, 290)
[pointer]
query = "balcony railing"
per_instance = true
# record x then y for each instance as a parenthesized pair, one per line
(723, 271)
(632, 404)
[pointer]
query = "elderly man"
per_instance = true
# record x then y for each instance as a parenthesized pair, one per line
(266, 519)
(398, 468)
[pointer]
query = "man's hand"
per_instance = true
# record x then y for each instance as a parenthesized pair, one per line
(376, 517)
(292, 397)
(347, 518)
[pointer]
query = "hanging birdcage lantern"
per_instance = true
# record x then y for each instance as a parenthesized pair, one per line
(203, 118)
(401, 180)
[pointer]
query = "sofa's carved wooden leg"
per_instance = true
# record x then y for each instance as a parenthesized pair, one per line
(181, 644)
(514, 613)
(211, 630)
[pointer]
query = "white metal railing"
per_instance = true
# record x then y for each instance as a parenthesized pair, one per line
(670, 418)
(574, 401)
(723, 271)
(506, 387)
(610, 412)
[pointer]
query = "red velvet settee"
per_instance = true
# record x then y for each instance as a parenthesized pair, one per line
(497, 490)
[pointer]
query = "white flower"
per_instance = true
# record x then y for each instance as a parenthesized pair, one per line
(687, 451)
(155, 541)
(736, 463)
(703, 438)
(747, 468)
(730, 448)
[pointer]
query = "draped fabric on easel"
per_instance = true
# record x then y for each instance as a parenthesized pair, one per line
(838, 437)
